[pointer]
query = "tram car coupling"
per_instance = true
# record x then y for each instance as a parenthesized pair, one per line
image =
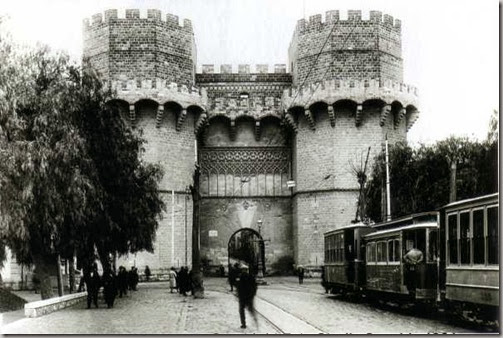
(448, 257)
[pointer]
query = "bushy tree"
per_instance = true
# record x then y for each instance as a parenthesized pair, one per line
(420, 177)
(71, 178)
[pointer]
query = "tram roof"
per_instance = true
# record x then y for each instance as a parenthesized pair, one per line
(347, 227)
(472, 200)
(413, 218)
(402, 228)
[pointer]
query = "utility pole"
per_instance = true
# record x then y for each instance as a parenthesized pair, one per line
(196, 268)
(388, 194)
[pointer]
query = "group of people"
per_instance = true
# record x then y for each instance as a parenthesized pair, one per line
(182, 281)
(246, 285)
(112, 284)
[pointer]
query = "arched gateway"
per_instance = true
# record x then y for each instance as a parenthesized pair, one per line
(246, 246)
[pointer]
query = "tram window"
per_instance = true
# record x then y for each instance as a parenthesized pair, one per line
(464, 237)
(332, 249)
(381, 251)
(390, 251)
(327, 249)
(396, 252)
(492, 235)
(478, 236)
(371, 253)
(452, 222)
(340, 248)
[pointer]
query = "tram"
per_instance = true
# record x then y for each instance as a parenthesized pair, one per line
(459, 257)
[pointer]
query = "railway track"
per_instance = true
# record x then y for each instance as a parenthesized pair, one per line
(282, 320)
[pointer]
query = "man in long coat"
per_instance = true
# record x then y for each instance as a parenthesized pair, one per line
(247, 288)
(93, 284)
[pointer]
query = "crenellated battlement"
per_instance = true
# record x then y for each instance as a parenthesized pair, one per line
(360, 48)
(330, 91)
(278, 68)
(142, 44)
(316, 21)
(159, 90)
(113, 15)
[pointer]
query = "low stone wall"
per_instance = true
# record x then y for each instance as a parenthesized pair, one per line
(46, 306)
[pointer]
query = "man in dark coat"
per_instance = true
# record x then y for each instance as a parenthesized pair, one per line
(133, 278)
(147, 273)
(247, 288)
(413, 258)
(183, 281)
(300, 271)
(93, 284)
(109, 287)
(122, 282)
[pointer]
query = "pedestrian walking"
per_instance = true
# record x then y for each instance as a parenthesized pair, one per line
(93, 284)
(147, 273)
(122, 281)
(247, 288)
(300, 272)
(172, 280)
(109, 287)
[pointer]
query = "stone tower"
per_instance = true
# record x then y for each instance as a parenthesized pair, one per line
(346, 96)
(151, 63)
(251, 129)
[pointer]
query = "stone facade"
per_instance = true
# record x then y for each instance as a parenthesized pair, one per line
(253, 128)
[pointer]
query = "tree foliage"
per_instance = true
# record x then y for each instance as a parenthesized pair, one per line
(420, 177)
(71, 175)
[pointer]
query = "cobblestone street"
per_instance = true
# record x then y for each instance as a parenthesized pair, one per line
(288, 307)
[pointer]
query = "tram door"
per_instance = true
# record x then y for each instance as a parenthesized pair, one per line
(414, 239)
(247, 247)
(350, 254)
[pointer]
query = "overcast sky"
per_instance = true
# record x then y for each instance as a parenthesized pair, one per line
(450, 47)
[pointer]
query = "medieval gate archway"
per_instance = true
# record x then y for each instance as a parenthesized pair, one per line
(246, 246)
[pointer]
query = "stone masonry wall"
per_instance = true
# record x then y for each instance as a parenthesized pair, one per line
(174, 152)
(326, 192)
(356, 48)
(141, 48)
